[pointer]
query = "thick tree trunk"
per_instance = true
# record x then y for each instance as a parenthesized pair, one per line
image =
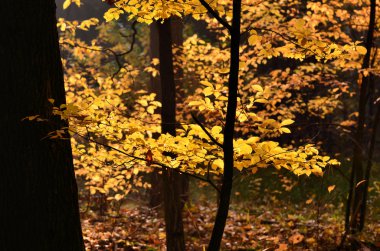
(229, 130)
(38, 192)
(171, 179)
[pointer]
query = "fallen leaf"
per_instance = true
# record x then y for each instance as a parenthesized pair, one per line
(282, 247)
(296, 238)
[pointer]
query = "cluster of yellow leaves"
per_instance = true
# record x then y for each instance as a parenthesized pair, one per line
(148, 11)
(113, 113)
(300, 42)
(130, 136)
(67, 3)
(110, 141)
(63, 24)
(285, 93)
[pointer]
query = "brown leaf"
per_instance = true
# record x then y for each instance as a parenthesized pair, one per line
(149, 157)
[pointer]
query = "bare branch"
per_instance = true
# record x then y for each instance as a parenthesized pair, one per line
(213, 13)
(109, 50)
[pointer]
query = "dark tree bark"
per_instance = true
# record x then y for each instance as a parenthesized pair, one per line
(155, 199)
(38, 192)
(171, 180)
(357, 194)
(371, 150)
(155, 87)
(229, 131)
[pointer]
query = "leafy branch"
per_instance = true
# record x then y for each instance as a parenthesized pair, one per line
(207, 180)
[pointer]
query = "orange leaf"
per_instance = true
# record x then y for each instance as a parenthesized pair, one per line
(282, 247)
(296, 238)
(330, 188)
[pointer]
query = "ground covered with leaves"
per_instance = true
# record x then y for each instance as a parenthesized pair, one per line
(267, 224)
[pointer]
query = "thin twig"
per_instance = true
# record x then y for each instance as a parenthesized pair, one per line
(109, 50)
(205, 130)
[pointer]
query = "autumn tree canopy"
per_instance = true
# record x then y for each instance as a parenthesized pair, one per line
(279, 93)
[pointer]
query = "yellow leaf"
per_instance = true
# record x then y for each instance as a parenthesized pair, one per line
(216, 130)
(218, 163)
(118, 197)
(66, 4)
(310, 240)
(135, 171)
(254, 39)
(260, 100)
(208, 91)
(195, 103)
(287, 122)
(224, 70)
(92, 190)
(255, 159)
(285, 130)
(361, 50)
(244, 149)
(325, 158)
(150, 109)
(309, 201)
(155, 61)
(334, 162)
(242, 117)
(257, 88)
(206, 83)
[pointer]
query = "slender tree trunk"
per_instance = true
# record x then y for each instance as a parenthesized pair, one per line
(155, 87)
(155, 195)
(38, 192)
(171, 180)
(356, 193)
(177, 40)
(229, 130)
(369, 167)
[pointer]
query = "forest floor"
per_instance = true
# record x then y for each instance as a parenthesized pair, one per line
(274, 226)
(271, 211)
